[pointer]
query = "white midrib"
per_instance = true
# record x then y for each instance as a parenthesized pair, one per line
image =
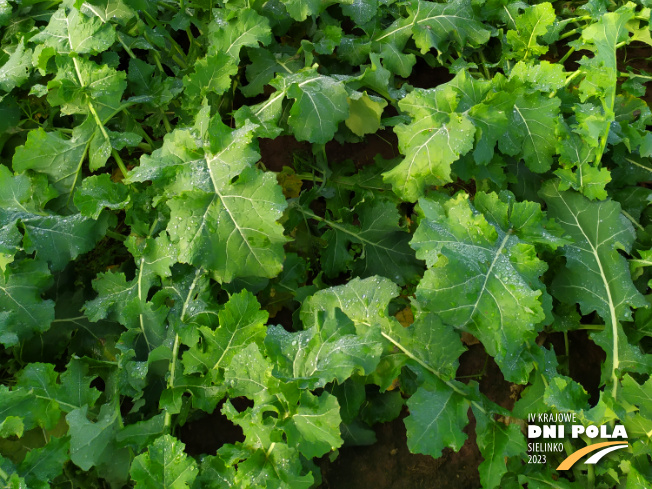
(532, 36)
(610, 302)
(418, 150)
(190, 293)
(486, 278)
(282, 93)
(228, 211)
(422, 21)
(637, 164)
(430, 369)
(140, 298)
(6, 291)
(529, 132)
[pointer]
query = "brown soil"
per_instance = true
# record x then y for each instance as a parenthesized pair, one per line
(389, 464)
(279, 152)
(383, 143)
(208, 433)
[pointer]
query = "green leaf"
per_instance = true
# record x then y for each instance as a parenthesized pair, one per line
(108, 10)
(576, 157)
(431, 143)
(496, 442)
(385, 249)
(395, 60)
(55, 239)
(76, 33)
(150, 85)
(241, 323)
(54, 155)
(215, 474)
(211, 75)
(565, 395)
(264, 65)
(250, 374)
(98, 192)
(301, 9)
(219, 203)
(23, 312)
(315, 427)
(37, 386)
(194, 305)
(365, 302)
(364, 114)
(532, 121)
(490, 119)
(320, 104)
(279, 469)
(436, 25)
(601, 70)
(638, 395)
(437, 417)
(429, 345)
(12, 426)
(543, 77)
(42, 465)
(82, 86)
(90, 443)
(16, 69)
(329, 350)
(142, 433)
(126, 302)
(596, 276)
(529, 26)
(58, 239)
(361, 11)
(601, 38)
(247, 28)
(482, 277)
(164, 466)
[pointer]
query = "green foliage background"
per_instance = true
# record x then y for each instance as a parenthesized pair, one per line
(145, 248)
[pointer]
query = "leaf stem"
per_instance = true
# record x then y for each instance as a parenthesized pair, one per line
(633, 75)
(116, 236)
(167, 35)
(72, 320)
(569, 79)
(634, 222)
(343, 181)
(125, 47)
(168, 7)
(591, 327)
(166, 121)
(167, 422)
(485, 70)
(570, 33)
(269, 451)
(566, 56)
(574, 19)
(590, 476)
(430, 369)
(78, 70)
(98, 122)
(118, 160)
(79, 167)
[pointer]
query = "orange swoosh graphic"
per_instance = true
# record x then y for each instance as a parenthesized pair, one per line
(574, 457)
